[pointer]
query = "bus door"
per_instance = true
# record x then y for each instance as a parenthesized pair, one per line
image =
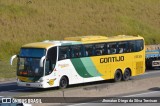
(51, 60)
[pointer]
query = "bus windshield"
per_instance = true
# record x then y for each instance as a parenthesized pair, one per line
(29, 62)
(32, 52)
(29, 67)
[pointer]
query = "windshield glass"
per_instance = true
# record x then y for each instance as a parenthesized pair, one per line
(32, 52)
(29, 67)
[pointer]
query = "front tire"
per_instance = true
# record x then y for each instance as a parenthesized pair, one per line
(63, 83)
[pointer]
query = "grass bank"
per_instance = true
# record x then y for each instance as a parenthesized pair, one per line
(25, 21)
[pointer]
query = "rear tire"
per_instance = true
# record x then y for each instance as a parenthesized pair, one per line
(63, 82)
(126, 75)
(118, 76)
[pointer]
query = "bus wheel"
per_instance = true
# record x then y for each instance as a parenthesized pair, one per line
(126, 75)
(63, 82)
(117, 76)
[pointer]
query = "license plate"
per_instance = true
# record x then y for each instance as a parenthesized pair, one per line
(27, 84)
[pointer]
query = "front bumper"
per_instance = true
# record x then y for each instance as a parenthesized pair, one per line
(34, 85)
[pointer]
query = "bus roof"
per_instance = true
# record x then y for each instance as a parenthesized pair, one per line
(46, 44)
(80, 40)
(89, 39)
(86, 38)
(37, 45)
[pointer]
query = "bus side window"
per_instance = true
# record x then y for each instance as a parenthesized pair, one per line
(64, 52)
(99, 49)
(139, 45)
(76, 51)
(107, 49)
(131, 46)
(112, 48)
(122, 47)
(88, 50)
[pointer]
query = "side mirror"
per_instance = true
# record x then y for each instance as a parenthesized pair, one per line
(41, 61)
(12, 58)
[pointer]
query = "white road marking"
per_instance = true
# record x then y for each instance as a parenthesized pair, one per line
(78, 104)
(6, 85)
(146, 93)
(5, 82)
(21, 89)
(17, 90)
(150, 72)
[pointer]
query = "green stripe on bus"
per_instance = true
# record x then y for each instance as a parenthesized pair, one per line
(80, 68)
(90, 67)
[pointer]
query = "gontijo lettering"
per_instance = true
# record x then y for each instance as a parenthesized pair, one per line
(111, 59)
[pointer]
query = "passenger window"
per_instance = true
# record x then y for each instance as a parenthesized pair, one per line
(99, 49)
(89, 50)
(112, 48)
(122, 47)
(131, 46)
(139, 45)
(64, 52)
(76, 51)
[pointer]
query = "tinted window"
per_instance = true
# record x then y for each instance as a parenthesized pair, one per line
(112, 48)
(64, 52)
(52, 54)
(139, 45)
(88, 50)
(131, 46)
(76, 51)
(100, 49)
(122, 47)
(51, 60)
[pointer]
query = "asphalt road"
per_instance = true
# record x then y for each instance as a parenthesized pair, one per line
(11, 89)
(145, 98)
(136, 98)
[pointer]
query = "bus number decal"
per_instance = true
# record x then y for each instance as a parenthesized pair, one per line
(138, 56)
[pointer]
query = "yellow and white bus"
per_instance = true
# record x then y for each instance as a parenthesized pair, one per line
(80, 59)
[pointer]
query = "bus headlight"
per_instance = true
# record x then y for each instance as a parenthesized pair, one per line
(17, 79)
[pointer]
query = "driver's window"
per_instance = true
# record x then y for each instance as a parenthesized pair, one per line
(51, 60)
